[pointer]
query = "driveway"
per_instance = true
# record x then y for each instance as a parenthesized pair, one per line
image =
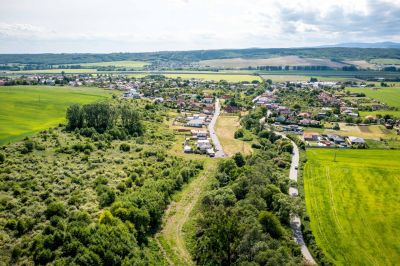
(219, 152)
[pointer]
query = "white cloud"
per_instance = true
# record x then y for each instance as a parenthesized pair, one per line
(133, 25)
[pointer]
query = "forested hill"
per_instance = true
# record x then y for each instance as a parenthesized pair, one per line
(335, 53)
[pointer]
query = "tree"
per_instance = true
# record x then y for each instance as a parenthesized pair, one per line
(270, 224)
(239, 159)
(130, 121)
(75, 116)
(2, 158)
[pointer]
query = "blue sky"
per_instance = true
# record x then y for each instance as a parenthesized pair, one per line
(36, 26)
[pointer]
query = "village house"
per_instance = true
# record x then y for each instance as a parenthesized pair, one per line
(310, 136)
(203, 145)
(355, 140)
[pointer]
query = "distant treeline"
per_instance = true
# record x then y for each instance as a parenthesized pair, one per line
(193, 56)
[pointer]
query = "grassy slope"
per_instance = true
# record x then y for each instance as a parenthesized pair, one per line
(353, 204)
(225, 130)
(25, 110)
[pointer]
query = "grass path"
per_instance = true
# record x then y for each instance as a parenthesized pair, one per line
(171, 237)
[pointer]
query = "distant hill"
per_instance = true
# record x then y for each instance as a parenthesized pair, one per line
(332, 53)
(364, 45)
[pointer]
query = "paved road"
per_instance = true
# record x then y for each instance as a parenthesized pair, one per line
(219, 152)
(295, 222)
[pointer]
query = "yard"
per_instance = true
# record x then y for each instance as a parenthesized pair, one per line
(25, 110)
(353, 204)
(225, 130)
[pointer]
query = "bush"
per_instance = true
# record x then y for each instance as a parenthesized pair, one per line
(270, 224)
(55, 208)
(2, 158)
(239, 134)
(125, 147)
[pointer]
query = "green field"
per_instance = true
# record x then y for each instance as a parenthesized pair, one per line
(57, 71)
(25, 110)
(353, 204)
(116, 64)
(386, 61)
(388, 95)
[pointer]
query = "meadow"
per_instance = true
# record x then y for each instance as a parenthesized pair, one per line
(56, 71)
(353, 205)
(225, 130)
(25, 110)
(387, 95)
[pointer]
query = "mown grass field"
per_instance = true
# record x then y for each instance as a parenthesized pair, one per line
(353, 204)
(387, 95)
(25, 110)
(225, 129)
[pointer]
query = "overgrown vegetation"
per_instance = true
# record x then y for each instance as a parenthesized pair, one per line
(81, 197)
(244, 218)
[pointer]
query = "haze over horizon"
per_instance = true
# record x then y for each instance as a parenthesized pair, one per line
(46, 26)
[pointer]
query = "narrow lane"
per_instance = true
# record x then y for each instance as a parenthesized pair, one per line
(295, 221)
(219, 152)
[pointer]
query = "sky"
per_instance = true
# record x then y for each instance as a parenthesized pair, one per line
(103, 26)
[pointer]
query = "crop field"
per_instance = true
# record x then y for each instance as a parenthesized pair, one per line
(25, 110)
(274, 61)
(283, 78)
(362, 64)
(116, 64)
(215, 77)
(386, 61)
(388, 95)
(353, 204)
(57, 71)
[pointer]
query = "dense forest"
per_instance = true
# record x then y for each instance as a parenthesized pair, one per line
(333, 53)
(92, 192)
(244, 217)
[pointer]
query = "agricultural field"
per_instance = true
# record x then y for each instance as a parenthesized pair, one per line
(25, 110)
(225, 130)
(215, 77)
(283, 78)
(274, 61)
(57, 71)
(129, 64)
(387, 95)
(386, 61)
(353, 204)
(363, 64)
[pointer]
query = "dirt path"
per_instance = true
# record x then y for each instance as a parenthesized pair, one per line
(171, 237)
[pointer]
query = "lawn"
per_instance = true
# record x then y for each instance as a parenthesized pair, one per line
(387, 95)
(25, 110)
(225, 129)
(353, 204)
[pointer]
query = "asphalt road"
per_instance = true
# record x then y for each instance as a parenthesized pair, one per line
(219, 152)
(295, 221)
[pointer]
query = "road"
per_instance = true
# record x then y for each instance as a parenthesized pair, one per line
(295, 222)
(219, 152)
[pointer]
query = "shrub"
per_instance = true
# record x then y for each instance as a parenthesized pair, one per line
(55, 208)
(125, 147)
(2, 158)
(270, 224)
(239, 134)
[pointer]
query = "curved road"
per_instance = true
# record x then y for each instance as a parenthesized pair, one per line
(219, 152)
